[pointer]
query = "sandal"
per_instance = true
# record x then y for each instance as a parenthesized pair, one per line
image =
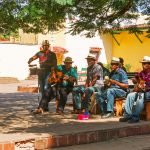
(38, 111)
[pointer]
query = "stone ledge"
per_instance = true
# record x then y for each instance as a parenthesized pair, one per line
(79, 138)
(8, 80)
(29, 89)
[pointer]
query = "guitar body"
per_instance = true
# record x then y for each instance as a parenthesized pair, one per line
(140, 86)
(55, 77)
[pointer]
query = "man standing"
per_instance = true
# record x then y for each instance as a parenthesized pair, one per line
(94, 82)
(135, 101)
(66, 77)
(47, 60)
(118, 84)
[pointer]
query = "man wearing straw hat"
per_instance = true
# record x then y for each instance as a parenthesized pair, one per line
(94, 82)
(117, 87)
(66, 77)
(47, 60)
(135, 101)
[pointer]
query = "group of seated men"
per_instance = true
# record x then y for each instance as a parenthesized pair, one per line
(107, 88)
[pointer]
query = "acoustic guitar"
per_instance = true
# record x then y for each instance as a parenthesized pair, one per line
(139, 86)
(55, 77)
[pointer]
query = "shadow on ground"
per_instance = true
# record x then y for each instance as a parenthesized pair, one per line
(16, 117)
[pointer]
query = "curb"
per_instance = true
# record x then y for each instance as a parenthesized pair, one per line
(41, 143)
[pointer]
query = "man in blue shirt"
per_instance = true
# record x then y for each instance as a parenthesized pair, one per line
(118, 84)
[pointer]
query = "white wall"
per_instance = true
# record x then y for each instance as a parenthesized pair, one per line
(14, 58)
(78, 47)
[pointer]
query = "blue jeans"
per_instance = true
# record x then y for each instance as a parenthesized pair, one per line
(132, 108)
(106, 98)
(77, 94)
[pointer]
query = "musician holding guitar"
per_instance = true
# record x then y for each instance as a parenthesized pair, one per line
(135, 100)
(61, 82)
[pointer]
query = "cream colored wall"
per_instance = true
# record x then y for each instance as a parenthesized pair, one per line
(107, 45)
(131, 49)
(27, 38)
(55, 38)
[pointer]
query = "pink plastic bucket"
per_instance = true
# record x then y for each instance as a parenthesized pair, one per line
(83, 117)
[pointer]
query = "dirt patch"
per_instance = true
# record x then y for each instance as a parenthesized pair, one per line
(8, 80)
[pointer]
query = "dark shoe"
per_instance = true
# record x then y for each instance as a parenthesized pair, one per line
(124, 119)
(76, 111)
(102, 114)
(59, 112)
(108, 115)
(133, 121)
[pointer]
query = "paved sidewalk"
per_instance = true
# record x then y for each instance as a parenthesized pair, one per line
(18, 124)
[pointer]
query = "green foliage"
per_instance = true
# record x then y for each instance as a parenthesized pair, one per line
(88, 16)
(128, 67)
(107, 66)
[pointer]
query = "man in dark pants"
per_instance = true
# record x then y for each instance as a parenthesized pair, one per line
(66, 77)
(47, 60)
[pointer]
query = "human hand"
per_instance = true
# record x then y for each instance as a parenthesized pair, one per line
(30, 60)
(112, 81)
(66, 77)
(83, 97)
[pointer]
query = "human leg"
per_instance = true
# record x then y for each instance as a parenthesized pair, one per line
(136, 110)
(46, 97)
(128, 108)
(77, 93)
(112, 93)
(63, 91)
(101, 100)
(42, 76)
(88, 93)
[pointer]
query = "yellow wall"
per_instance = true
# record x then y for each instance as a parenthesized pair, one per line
(131, 49)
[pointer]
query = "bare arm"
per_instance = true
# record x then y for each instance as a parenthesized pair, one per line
(122, 85)
(93, 81)
(32, 58)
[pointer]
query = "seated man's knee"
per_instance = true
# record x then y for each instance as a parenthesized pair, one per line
(89, 90)
(75, 89)
(130, 95)
(110, 91)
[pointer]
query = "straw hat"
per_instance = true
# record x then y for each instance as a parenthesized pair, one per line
(68, 59)
(146, 59)
(91, 56)
(115, 60)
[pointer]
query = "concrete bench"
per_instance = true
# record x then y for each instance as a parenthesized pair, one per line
(29, 89)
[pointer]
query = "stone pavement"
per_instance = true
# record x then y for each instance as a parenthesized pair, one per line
(20, 129)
